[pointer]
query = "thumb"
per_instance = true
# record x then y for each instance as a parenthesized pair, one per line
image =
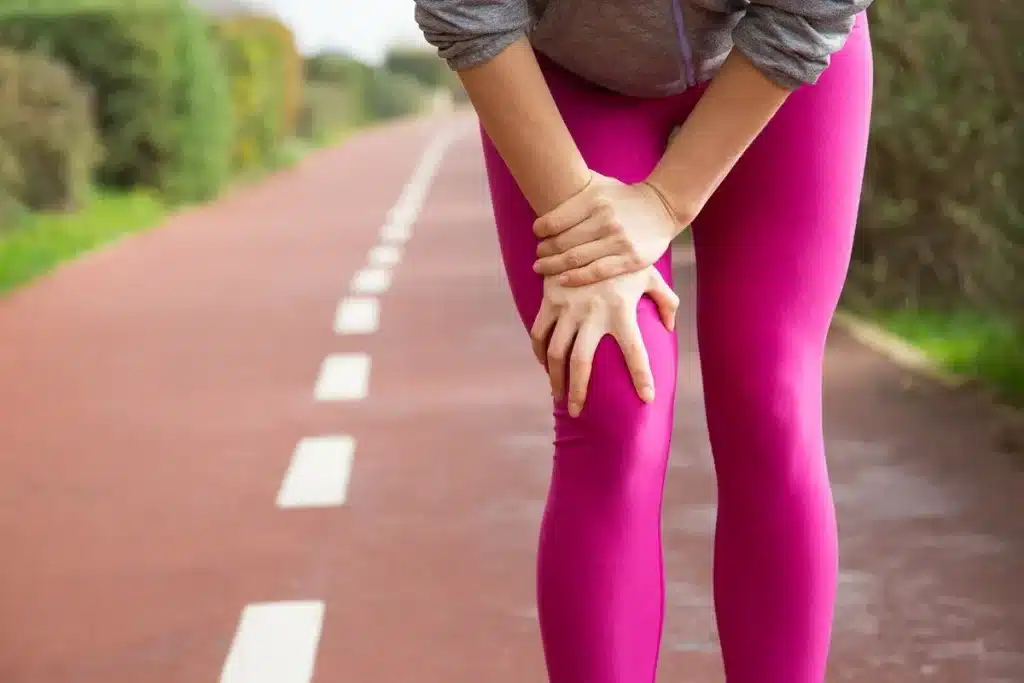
(664, 298)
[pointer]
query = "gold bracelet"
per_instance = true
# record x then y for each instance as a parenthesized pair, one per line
(664, 200)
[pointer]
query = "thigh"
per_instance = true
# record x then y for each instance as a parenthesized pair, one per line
(773, 246)
(622, 138)
(618, 136)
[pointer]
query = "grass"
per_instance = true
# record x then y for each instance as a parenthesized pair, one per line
(42, 241)
(968, 344)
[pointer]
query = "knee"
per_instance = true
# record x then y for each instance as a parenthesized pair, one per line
(617, 432)
(765, 427)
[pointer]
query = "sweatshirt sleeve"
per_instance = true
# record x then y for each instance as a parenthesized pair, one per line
(792, 41)
(467, 33)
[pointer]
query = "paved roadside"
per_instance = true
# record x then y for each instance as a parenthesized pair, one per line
(154, 396)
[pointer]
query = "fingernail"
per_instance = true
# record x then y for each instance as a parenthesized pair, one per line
(536, 267)
(647, 394)
(563, 279)
(574, 409)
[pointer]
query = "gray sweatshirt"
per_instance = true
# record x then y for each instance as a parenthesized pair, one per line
(646, 48)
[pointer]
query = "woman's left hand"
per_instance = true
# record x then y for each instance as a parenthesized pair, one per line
(610, 228)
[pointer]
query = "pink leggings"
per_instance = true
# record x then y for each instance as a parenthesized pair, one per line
(772, 248)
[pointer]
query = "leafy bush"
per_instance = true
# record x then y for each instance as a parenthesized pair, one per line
(161, 91)
(381, 94)
(11, 184)
(388, 95)
(326, 109)
(48, 142)
(289, 69)
(265, 83)
(943, 215)
(423, 65)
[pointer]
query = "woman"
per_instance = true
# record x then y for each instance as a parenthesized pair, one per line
(577, 100)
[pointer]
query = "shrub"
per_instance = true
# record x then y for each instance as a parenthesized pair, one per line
(11, 184)
(943, 216)
(423, 65)
(289, 69)
(388, 95)
(161, 91)
(326, 109)
(381, 94)
(48, 142)
(265, 84)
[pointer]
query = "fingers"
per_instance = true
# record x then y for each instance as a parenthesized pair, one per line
(574, 258)
(602, 269)
(568, 214)
(581, 363)
(593, 228)
(558, 352)
(627, 334)
(664, 298)
(541, 331)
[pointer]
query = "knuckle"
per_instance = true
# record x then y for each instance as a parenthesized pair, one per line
(604, 270)
(573, 259)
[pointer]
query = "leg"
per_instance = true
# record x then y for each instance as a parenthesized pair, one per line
(773, 248)
(600, 583)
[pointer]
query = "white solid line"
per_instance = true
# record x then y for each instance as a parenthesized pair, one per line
(371, 281)
(343, 377)
(386, 255)
(319, 473)
(275, 643)
(357, 315)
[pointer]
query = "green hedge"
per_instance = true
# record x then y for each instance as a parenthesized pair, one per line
(379, 92)
(265, 74)
(48, 141)
(943, 212)
(162, 95)
(326, 109)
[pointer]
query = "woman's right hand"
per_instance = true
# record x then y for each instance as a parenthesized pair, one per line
(572, 320)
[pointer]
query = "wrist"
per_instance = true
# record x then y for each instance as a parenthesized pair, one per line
(680, 205)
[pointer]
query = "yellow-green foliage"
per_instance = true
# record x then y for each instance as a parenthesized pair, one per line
(48, 141)
(263, 82)
(290, 65)
(161, 98)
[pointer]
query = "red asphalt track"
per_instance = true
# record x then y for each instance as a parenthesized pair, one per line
(153, 394)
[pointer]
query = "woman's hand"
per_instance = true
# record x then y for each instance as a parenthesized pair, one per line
(608, 229)
(572, 320)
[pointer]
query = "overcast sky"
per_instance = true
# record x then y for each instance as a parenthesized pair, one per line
(364, 28)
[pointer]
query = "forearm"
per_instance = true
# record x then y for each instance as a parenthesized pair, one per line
(516, 108)
(737, 105)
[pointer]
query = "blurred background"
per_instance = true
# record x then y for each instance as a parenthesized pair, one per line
(113, 116)
(136, 478)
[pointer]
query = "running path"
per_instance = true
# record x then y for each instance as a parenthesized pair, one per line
(156, 394)
(153, 395)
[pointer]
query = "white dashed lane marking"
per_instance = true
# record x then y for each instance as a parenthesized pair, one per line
(275, 643)
(357, 315)
(371, 281)
(385, 256)
(343, 377)
(319, 473)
